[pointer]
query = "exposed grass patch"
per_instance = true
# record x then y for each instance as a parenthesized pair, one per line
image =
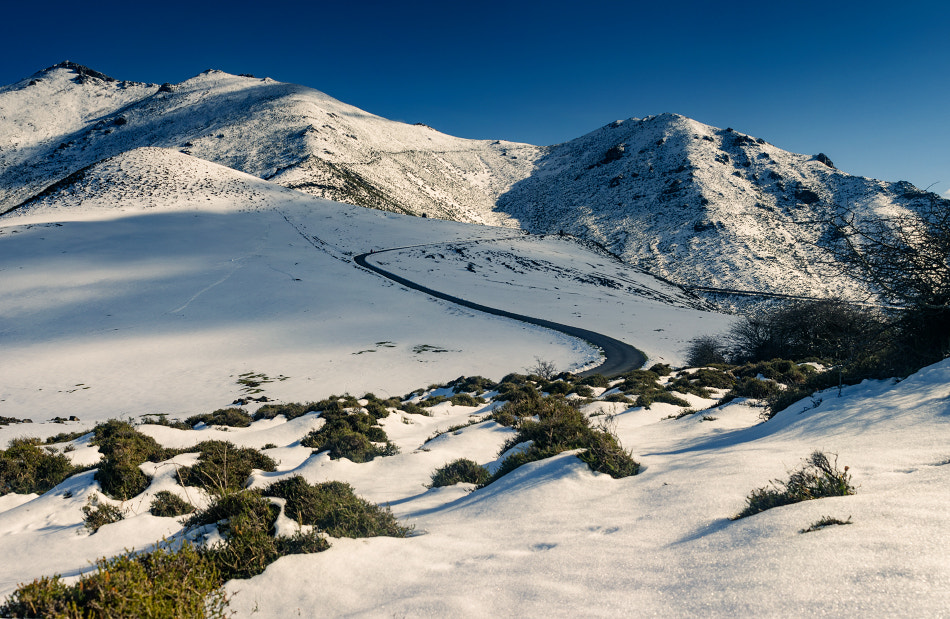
(458, 471)
(825, 521)
(26, 467)
(161, 419)
(335, 509)
(350, 434)
(96, 515)
(124, 448)
(231, 417)
(289, 411)
(562, 427)
(818, 477)
(223, 468)
(161, 583)
(169, 505)
(472, 384)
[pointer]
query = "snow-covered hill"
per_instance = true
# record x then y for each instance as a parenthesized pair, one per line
(153, 278)
(68, 117)
(689, 202)
(700, 205)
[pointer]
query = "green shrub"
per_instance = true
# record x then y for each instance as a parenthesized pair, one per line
(825, 521)
(559, 387)
(472, 384)
(289, 411)
(412, 408)
(64, 437)
(464, 399)
(119, 440)
(433, 400)
(460, 471)
(817, 478)
(161, 583)
(124, 448)
(713, 377)
(169, 505)
(223, 468)
(755, 388)
(595, 380)
(231, 417)
(161, 419)
(96, 515)
(350, 435)
(780, 370)
(121, 479)
(25, 468)
(647, 399)
(561, 427)
(619, 398)
(334, 509)
(584, 391)
(377, 409)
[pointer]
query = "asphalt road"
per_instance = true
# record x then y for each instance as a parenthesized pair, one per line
(619, 357)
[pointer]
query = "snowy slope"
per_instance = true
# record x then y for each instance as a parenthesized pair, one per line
(700, 205)
(297, 136)
(157, 278)
(686, 201)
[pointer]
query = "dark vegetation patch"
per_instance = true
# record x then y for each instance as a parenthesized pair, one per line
(123, 449)
(26, 467)
(231, 417)
(224, 468)
(349, 433)
(162, 583)
(562, 427)
(825, 521)
(96, 514)
(458, 471)
(169, 505)
(5, 421)
(818, 477)
(335, 509)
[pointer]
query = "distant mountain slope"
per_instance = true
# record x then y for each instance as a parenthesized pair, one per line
(68, 117)
(698, 204)
(686, 201)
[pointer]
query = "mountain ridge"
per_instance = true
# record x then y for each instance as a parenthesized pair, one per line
(687, 201)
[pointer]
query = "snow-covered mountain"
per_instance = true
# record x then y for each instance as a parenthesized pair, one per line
(698, 204)
(67, 117)
(687, 201)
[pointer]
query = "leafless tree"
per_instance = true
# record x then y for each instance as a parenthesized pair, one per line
(903, 257)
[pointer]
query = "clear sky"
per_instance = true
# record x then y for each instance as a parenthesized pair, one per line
(867, 83)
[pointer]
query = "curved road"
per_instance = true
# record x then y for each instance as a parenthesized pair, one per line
(618, 356)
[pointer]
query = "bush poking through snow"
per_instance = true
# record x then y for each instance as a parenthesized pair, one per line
(223, 468)
(124, 449)
(463, 471)
(162, 583)
(25, 467)
(825, 521)
(351, 435)
(562, 427)
(231, 417)
(97, 515)
(817, 478)
(335, 509)
(289, 411)
(169, 505)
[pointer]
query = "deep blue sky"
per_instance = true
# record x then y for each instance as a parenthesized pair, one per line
(867, 83)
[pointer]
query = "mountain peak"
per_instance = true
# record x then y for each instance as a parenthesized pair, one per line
(83, 72)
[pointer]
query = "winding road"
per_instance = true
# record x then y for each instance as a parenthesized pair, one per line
(619, 357)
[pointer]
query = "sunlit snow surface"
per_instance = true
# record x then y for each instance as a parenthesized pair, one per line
(124, 306)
